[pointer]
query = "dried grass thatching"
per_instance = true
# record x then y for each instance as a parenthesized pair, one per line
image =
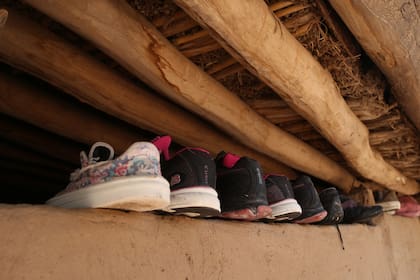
(314, 25)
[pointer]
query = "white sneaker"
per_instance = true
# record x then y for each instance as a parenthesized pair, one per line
(132, 181)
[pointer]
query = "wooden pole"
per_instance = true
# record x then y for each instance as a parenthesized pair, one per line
(389, 32)
(61, 116)
(136, 44)
(27, 46)
(16, 152)
(290, 70)
(40, 140)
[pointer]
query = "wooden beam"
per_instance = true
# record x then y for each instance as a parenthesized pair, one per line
(3, 17)
(137, 45)
(60, 177)
(28, 46)
(39, 140)
(389, 32)
(17, 152)
(290, 70)
(53, 112)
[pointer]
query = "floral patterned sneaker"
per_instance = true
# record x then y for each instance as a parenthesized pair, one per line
(132, 181)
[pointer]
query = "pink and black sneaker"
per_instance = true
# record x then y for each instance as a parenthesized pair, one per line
(281, 198)
(131, 181)
(241, 188)
(409, 207)
(308, 198)
(191, 173)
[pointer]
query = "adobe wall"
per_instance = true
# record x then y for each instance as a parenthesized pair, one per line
(39, 242)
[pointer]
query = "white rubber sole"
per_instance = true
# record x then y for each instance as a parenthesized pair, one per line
(390, 205)
(286, 210)
(192, 197)
(136, 193)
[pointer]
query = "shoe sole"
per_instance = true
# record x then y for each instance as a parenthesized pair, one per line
(287, 209)
(313, 219)
(198, 201)
(247, 214)
(409, 214)
(135, 193)
(390, 205)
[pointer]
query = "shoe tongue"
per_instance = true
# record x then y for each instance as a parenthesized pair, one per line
(349, 203)
(162, 144)
(230, 160)
(100, 151)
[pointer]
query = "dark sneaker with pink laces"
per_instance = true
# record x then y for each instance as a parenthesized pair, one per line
(191, 173)
(308, 199)
(281, 198)
(241, 188)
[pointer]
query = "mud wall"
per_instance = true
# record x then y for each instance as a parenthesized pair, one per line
(39, 242)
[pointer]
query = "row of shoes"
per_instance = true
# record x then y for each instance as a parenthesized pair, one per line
(190, 182)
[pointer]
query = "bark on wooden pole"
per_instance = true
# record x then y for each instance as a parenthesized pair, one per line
(40, 140)
(136, 44)
(389, 32)
(52, 113)
(27, 46)
(253, 35)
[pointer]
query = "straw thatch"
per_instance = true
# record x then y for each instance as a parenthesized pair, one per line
(313, 23)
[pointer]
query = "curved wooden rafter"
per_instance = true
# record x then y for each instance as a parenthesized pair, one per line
(153, 59)
(29, 47)
(297, 77)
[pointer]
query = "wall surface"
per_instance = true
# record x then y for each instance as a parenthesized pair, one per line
(39, 242)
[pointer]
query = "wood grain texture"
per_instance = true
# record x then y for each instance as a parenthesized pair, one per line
(52, 113)
(136, 44)
(40, 140)
(29, 47)
(389, 32)
(290, 70)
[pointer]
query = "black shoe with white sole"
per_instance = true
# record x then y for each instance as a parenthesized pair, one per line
(281, 198)
(191, 173)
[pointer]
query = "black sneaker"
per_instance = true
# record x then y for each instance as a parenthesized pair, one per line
(241, 188)
(356, 213)
(191, 173)
(281, 198)
(330, 199)
(307, 196)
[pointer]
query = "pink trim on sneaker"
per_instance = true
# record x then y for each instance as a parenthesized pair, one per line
(162, 143)
(263, 211)
(230, 160)
(313, 219)
(412, 214)
(409, 207)
(247, 214)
